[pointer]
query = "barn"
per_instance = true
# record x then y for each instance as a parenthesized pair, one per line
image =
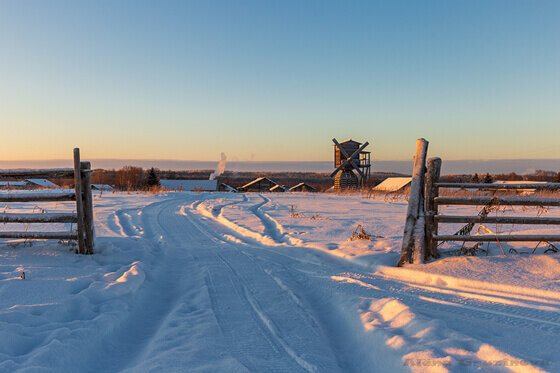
(393, 184)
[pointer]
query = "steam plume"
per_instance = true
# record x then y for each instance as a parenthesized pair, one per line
(220, 168)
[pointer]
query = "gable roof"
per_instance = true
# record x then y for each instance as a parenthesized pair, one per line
(392, 184)
(101, 186)
(302, 185)
(42, 183)
(256, 181)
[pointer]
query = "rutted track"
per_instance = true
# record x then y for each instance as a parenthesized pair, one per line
(277, 308)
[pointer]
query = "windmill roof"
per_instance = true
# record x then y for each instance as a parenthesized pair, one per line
(349, 141)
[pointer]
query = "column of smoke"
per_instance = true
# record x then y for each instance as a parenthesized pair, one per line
(220, 168)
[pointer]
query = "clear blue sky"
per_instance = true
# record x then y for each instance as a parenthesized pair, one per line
(276, 80)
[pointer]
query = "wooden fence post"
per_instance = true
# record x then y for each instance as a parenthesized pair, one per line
(79, 201)
(87, 205)
(431, 208)
(415, 208)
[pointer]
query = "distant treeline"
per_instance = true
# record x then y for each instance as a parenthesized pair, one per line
(538, 175)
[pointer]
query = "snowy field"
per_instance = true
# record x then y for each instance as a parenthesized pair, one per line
(187, 282)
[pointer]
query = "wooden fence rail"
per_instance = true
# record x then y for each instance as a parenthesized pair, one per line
(83, 217)
(420, 238)
(436, 219)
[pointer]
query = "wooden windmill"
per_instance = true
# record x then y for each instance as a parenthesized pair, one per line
(352, 164)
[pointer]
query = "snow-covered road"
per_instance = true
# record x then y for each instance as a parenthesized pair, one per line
(226, 282)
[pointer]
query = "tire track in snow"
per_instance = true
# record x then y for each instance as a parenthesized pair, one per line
(249, 286)
(122, 345)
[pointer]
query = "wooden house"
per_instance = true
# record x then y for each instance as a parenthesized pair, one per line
(261, 184)
(303, 187)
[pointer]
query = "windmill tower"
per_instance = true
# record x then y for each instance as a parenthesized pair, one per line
(352, 164)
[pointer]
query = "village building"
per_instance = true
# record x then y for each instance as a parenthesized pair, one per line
(105, 187)
(393, 184)
(28, 184)
(303, 187)
(261, 184)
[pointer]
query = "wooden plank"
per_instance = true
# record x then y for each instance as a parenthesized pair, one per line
(52, 173)
(88, 207)
(40, 235)
(505, 201)
(499, 237)
(79, 202)
(415, 204)
(498, 219)
(38, 218)
(547, 186)
(37, 196)
(433, 173)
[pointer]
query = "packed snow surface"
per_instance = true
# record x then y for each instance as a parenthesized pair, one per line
(187, 282)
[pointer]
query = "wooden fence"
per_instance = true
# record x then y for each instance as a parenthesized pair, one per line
(421, 237)
(83, 217)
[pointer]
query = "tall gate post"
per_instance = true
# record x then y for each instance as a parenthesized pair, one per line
(415, 209)
(431, 208)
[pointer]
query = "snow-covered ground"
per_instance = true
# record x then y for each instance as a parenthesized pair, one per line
(268, 282)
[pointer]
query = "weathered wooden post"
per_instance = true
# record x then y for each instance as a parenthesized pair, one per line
(87, 205)
(431, 208)
(415, 209)
(79, 201)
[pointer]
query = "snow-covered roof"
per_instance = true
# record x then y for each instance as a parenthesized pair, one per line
(13, 183)
(101, 187)
(42, 183)
(256, 181)
(392, 184)
(302, 185)
(189, 185)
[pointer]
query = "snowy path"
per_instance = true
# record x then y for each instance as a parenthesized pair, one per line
(202, 292)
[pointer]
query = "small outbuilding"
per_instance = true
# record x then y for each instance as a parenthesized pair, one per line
(40, 183)
(393, 184)
(105, 187)
(261, 184)
(303, 187)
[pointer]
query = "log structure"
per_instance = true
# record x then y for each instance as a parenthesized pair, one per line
(83, 217)
(352, 164)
